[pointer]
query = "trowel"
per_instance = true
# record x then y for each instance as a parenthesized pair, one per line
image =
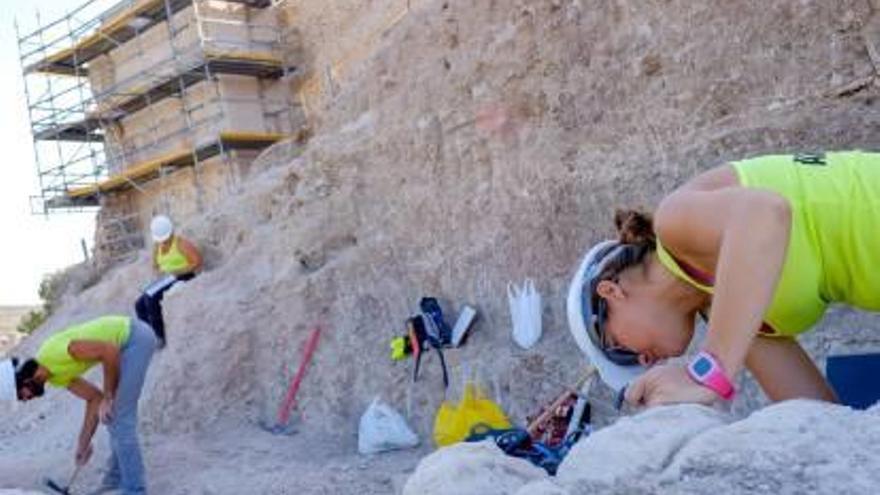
(64, 490)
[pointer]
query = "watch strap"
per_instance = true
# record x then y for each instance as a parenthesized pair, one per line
(706, 370)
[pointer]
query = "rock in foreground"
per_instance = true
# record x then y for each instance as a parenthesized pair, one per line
(788, 448)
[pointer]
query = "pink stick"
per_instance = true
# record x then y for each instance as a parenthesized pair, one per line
(290, 398)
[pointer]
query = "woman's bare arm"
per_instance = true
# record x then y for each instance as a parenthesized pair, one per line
(741, 235)
(192, 254)
(89, 393)
(785, 371)
(106, 353)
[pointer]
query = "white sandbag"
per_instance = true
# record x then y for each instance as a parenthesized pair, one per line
(525, 312)
(382, 428)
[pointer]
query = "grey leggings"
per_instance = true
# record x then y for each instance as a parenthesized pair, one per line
(126, 466)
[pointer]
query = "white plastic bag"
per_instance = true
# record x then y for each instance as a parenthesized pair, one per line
(525, 312)
(382, 428)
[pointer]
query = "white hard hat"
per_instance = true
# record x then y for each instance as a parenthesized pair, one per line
(8, 391)
(161, 227)
(581, 314)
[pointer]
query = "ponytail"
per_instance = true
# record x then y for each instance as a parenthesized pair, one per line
(635, 233)
(635, 227)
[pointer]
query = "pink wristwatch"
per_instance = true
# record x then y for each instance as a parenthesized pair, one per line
(707, 371)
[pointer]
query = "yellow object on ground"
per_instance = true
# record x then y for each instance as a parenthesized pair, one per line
(399, 348)
(454, 421)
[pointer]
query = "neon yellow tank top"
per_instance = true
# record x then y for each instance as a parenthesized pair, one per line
(54, 356)
(174, 260)
(834, 246)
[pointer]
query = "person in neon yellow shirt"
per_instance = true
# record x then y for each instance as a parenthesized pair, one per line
(123, 347)
(761, 246)
(178, 260)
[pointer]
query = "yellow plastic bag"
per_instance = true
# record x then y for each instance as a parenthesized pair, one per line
(454, 421)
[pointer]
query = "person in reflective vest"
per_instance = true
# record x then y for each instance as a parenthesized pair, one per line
(177, 260)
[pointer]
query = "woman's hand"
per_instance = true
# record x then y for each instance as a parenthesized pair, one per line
(83, 454)
(105, 411)
(667, 384)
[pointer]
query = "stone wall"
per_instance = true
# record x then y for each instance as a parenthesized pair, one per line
(332, 37)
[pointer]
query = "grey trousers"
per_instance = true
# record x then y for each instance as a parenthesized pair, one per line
(126, 466)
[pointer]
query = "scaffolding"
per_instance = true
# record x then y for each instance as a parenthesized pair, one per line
(121, 97)
(75, 117)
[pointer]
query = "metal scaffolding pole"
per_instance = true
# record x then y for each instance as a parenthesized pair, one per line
(78, 130)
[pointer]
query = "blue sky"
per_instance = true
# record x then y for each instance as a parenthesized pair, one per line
(30, 245)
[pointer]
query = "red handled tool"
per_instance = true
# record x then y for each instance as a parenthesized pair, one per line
(287, 404)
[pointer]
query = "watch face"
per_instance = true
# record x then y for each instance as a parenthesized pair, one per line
(701, 367)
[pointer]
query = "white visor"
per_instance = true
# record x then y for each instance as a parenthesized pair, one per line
(581, 314)
(8, 392)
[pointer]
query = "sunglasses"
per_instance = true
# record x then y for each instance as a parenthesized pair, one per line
(35, 388)
(616, 354)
